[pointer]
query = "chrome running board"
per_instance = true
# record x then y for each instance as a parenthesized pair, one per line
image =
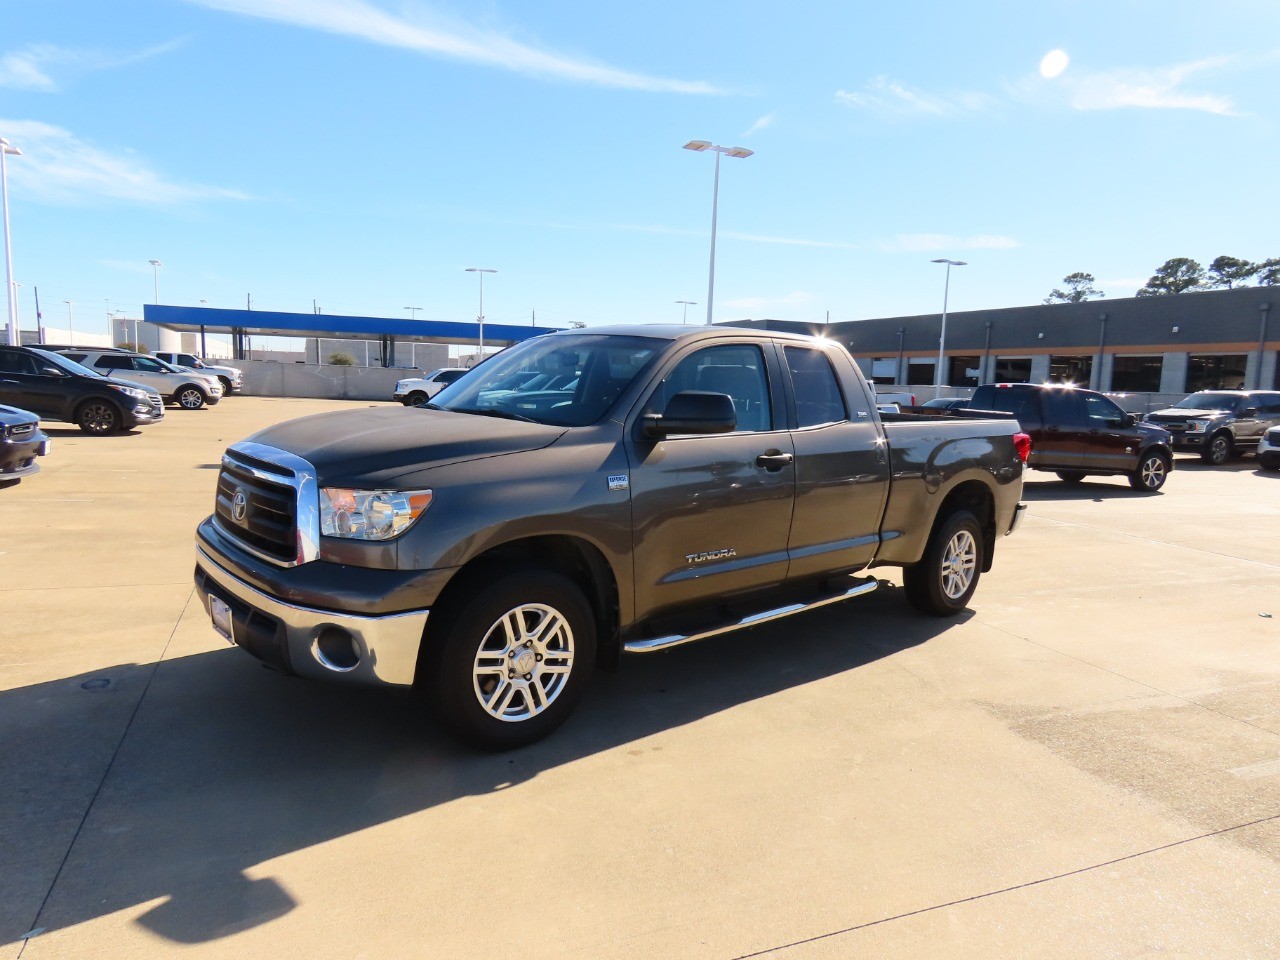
(650, 644)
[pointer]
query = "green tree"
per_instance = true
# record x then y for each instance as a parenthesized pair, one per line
(342, 360)
(1079, 288)
(1231, 272)
(1269, 273)
(1175, 276)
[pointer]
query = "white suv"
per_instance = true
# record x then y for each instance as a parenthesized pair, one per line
(416, 391)
(232, 377)
(189, 390)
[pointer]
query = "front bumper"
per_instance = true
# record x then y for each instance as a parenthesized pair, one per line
(301, 640)
(1189, 441)
(18, 457)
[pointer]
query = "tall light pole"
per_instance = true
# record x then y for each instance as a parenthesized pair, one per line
(11, 297)
(413, 312)
(155, 270)
(482, 271)
(942, 337)
(741, 152)
(684, 313)
(71, 333)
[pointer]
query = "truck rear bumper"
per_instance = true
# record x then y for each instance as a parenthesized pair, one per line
(1018, 511)
(320, 644)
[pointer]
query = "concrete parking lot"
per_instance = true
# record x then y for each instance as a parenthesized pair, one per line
(1085, 765)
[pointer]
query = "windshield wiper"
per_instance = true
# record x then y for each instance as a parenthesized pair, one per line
(491, 412)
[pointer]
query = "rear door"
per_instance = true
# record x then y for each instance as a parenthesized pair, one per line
(711, 514)
(1063, 431)
(842, 468)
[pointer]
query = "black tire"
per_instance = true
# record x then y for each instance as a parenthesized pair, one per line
(1153, 471)
(190, 397)
(1071, 476)
(1218, 450)
(942, 582)
(467, 651)
(226, 386)
(99, 417)
(415, 399)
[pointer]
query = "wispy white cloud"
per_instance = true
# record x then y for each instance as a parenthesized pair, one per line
(45, 67)
(797, 298)
(892, 98)
(765, 121)
(58, 167)
(423, 32)
(935, 242)
(1156, 88)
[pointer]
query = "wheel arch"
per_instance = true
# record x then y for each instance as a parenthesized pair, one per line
(976, 497)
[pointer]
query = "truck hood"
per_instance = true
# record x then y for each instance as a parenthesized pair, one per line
(374, 446)
(1185, 413)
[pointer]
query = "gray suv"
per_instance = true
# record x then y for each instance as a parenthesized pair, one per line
(189, 390)
(1219, 423)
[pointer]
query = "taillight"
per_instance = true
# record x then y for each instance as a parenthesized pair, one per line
(1022, 444)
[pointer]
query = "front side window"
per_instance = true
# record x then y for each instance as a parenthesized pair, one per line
(818, 397)
(1101, 411)
(149, 365)
(735, 369)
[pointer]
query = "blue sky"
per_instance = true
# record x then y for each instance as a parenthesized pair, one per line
(361, 153)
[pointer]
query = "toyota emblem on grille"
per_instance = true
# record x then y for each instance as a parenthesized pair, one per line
(239, 506)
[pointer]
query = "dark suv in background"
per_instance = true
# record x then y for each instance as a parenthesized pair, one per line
(1076, 432)
(55, 388)
(1219, 423)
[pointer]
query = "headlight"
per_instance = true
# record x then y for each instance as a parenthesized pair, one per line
(1195, 426)
(370, 514)
(129, 391)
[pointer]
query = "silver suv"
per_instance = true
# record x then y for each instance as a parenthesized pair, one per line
(232, 377)
(1219, 423)
(189, 390)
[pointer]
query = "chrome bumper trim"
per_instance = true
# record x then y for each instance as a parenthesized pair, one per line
(1018, 511)
(388, 645)
(674, 640)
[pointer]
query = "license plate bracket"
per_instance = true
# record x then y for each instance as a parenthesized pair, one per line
(220, 614)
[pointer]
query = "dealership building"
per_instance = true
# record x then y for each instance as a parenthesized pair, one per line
(1173, 344)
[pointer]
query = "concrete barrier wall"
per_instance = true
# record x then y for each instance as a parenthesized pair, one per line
(263, 378)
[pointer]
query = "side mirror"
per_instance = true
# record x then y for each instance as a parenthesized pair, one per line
(692, 411)
(52, 372)
(1249, 412)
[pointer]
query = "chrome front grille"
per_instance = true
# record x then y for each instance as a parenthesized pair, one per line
(268, 503)
(20, 431)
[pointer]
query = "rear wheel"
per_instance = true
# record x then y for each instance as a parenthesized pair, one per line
(1153, 470)
(1218, 451)
(1071, 476)
(98, 417)
(942, 582)
(190, 398)
(511, 659)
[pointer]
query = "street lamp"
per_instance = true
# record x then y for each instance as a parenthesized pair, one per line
(482, 271)
(741, 152)
(942, 337)
(71, 333)
(413, 312)
(684, 312)
(11, 298)
(155, 270)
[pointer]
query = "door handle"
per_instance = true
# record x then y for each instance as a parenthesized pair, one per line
(774, 461)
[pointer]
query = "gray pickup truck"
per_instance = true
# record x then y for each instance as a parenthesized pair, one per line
(1218, 424)
(491, 548)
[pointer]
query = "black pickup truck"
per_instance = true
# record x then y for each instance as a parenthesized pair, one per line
(491, 547)
(1077, 433)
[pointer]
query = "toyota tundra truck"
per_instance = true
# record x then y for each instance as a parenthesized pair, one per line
(491, 548)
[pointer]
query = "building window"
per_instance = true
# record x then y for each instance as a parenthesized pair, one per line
(963, 371)
(1013, 370)
(884, 370)
(1137, 374)
(1076, 370)
(919, 374)
(1221, 371)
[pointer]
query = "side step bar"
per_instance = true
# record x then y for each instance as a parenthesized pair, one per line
(650, 644)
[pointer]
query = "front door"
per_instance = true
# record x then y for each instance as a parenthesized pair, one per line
(711, 514)
(1109, 442)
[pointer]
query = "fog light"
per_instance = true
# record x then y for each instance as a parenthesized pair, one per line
(336, 649)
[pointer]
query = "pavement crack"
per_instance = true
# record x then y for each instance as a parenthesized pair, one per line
(1010, 889)
(35, 929)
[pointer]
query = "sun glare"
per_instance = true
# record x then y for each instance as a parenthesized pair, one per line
(1054, 62)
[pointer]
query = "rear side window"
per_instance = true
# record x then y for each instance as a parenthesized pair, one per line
(818, 397)
(1021, 403)
(1062, 407)
(17, 363)
(110, 361)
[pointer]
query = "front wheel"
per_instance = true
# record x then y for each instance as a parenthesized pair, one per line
(1218, 451)
(511, 660)
(942, 582)
(415, 399)
(190, 398)
(98, 417)
(1152, 472)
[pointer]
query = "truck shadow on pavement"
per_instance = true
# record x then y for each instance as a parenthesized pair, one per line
(226, 765)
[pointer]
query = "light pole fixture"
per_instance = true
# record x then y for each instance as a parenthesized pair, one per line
(155, 270)
(413, 312)
(482, 271)
(11, 297)
(740, 152)
(942, 337)
(684, 312)
(71, 333)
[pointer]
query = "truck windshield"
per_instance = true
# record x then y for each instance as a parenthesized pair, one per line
(563, 380)
(1208, 401)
